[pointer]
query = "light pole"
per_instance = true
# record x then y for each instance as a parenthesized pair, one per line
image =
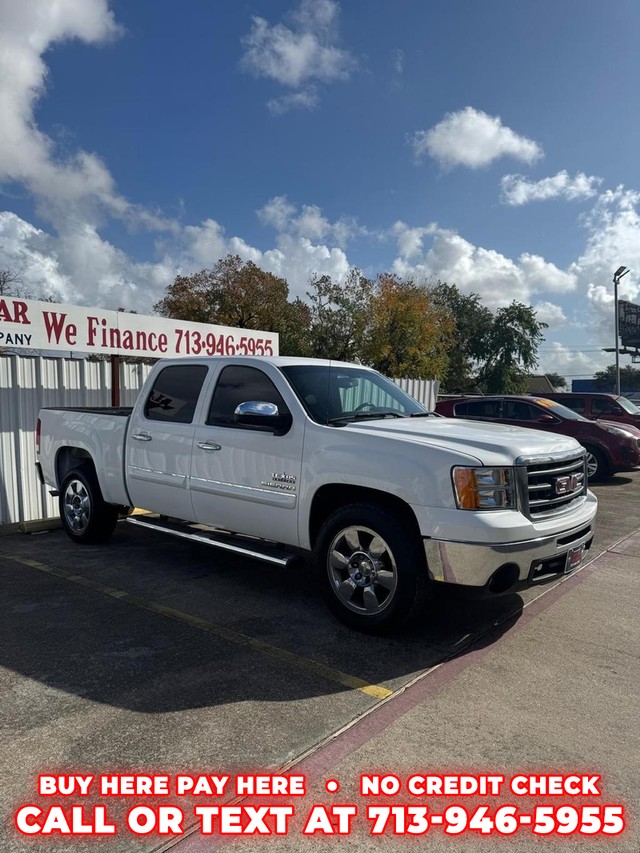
(618, 274)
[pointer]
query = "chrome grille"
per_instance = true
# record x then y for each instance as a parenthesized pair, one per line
(553, 485)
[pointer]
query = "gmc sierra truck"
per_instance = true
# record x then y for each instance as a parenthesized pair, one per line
(276, 458)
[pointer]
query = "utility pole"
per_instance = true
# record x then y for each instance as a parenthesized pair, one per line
(618, 274)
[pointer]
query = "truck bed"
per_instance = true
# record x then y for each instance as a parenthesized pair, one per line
(97, 431)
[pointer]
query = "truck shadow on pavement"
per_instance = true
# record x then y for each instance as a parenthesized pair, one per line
(113, 650)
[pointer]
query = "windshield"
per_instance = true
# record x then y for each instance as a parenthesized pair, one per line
(560, 410)
(337, 395)
(628, 406)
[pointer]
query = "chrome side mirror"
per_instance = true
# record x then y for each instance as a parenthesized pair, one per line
(262, 415)
(256, 407)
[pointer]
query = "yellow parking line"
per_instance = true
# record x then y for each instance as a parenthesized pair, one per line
(306, 664)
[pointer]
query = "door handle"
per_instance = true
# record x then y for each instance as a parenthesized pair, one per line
(141, 436)
(208, 445)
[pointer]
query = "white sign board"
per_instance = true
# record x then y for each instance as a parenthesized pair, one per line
(27, 324)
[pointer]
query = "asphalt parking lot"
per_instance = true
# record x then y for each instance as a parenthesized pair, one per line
(150, 653)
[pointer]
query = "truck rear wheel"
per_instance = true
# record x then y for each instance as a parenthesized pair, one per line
(86, 518)
(372, 566)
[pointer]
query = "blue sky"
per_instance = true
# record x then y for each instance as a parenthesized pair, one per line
(489, 144)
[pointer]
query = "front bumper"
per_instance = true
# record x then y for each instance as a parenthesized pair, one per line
(502, 568)
(627, 457)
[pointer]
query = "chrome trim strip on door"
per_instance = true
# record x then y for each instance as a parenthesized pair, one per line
(151, 476)
(287, 500)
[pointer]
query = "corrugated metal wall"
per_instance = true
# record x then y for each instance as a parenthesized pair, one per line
(423, 390)
(27, 383)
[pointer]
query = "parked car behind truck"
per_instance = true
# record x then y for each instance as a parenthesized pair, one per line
(610, 447)
(331, 459)
(608, 407)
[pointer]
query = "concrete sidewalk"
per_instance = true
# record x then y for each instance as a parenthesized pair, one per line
(558, 693)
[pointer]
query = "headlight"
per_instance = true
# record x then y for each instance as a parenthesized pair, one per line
(617, 431)
(484, 488)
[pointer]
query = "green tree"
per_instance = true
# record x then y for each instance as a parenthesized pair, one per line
(469, 338)
(409, 334)
(556, 380)
(605, 380)
(239, 294)
(511, 349)
(340, 316)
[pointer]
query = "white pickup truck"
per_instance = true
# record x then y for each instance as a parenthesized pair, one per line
(275, 457)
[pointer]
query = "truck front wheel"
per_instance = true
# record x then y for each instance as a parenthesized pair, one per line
(85, 516)
(373, 567)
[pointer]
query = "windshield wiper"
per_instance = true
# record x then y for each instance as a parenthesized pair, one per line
(424, 415)
(368, 416)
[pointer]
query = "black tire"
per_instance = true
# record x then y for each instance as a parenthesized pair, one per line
(372, 567)
(598, 466)
(86, 518)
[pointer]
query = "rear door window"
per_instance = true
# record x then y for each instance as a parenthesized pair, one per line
(483, 409)
(517, 410)
(175, 393)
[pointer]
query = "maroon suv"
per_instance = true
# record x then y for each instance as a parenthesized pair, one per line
(608, 407)
(610, 447)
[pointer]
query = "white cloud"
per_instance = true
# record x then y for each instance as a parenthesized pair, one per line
(308, 222)
(77, 265)
(570, 363)
(544, 276)
(300, 55)
(517, 190)
(496, 278)
(297, 259)
(472, 138)
(306, 99)
(410, 240)
(613, 239)
(27, 250)
(204, 243)
(277, 212)
(551, 314)
(27, 30)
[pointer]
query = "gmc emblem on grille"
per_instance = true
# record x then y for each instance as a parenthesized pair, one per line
(566, 485)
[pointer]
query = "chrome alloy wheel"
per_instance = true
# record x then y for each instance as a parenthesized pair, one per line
(362, 570)
(77, 506)
(592, 465)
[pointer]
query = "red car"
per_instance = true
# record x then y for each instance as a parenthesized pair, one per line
(610, 447)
